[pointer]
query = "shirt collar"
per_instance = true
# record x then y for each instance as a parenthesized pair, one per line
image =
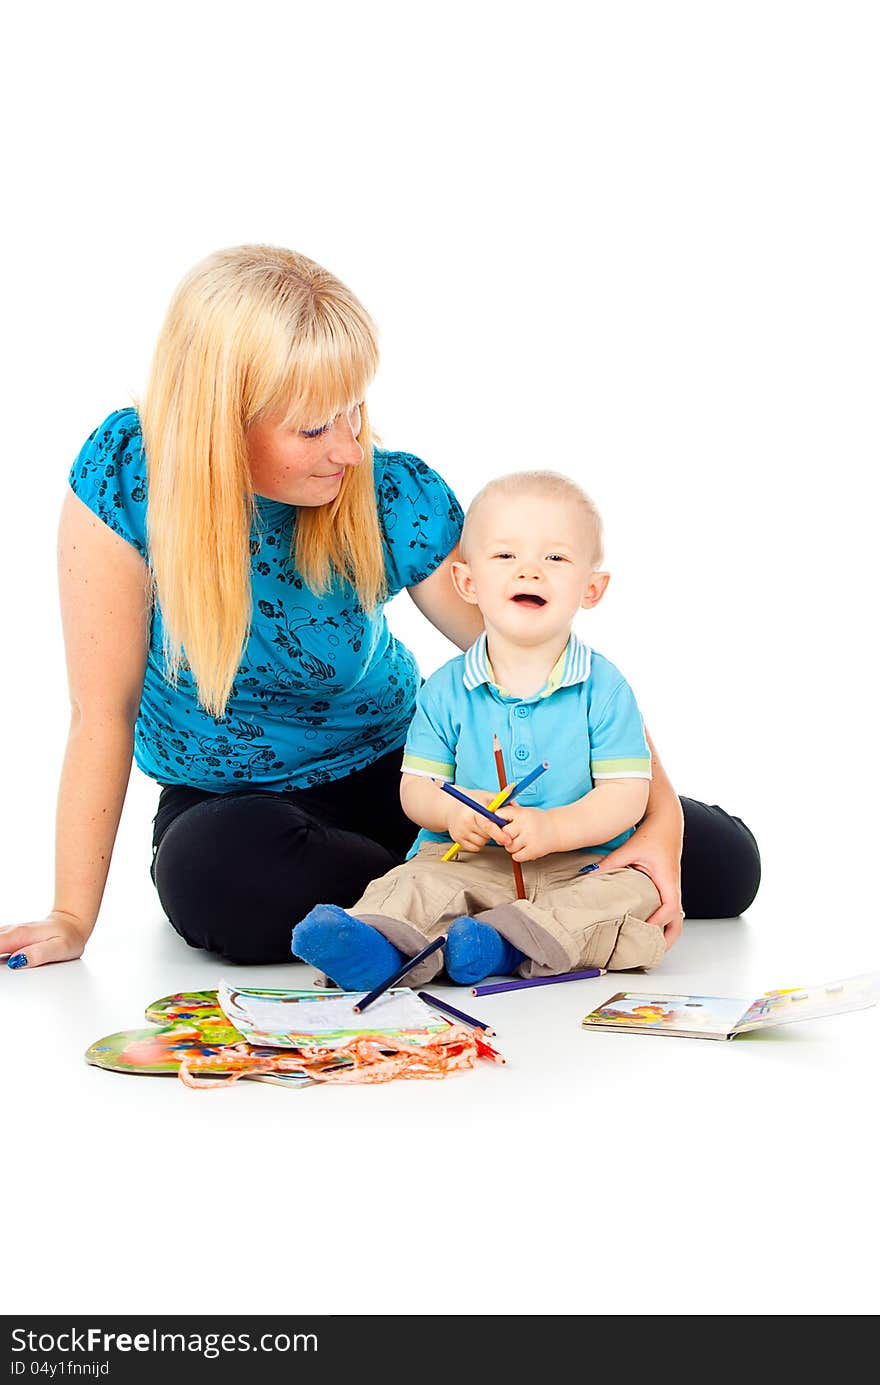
(572, 666)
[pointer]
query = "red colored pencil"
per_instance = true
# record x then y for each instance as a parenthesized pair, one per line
(502, 784)
(485, 1050)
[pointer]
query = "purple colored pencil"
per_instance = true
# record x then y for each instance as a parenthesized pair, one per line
(525, 981)
(398, 975)
(456, 1014)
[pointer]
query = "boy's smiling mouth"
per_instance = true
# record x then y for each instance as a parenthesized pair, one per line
(529, 599)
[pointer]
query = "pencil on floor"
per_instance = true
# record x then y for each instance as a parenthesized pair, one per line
(398, 975)
(524, 981)
(485, 1049)
(502, 784)
(456, 1014)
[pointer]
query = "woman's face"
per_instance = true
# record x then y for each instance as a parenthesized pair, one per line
(303, 468)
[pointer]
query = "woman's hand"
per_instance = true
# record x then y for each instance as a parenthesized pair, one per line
(656, 851)
(57, 938)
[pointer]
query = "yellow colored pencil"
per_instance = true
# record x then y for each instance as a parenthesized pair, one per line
(497, 801)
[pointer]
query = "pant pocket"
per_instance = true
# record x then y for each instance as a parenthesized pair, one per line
(638, 944)
(598, 943)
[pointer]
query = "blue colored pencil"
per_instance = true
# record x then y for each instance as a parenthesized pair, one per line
(456, 1014)
(528, 779)
(537, 981)
(398, 975)
(472, 803)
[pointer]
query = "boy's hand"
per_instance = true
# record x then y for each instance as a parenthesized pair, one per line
(470, 829)
(531, 832)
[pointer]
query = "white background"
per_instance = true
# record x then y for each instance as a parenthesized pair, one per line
(634, 242)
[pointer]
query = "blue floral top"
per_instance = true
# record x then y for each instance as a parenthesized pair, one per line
(324, 687)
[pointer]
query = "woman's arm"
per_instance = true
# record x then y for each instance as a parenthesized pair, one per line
(441, 604)
(655, 848)
(105, 615)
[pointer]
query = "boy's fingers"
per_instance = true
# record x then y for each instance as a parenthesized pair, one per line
(493, 833)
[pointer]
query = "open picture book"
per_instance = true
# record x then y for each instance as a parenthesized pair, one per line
(325, 1018)
(723, 1017)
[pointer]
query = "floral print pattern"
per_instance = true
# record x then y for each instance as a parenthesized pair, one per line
(323, 688)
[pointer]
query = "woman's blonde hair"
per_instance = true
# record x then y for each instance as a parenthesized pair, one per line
(253, 332)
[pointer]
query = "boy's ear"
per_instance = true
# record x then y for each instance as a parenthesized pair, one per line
(595, 589)
(463, 581)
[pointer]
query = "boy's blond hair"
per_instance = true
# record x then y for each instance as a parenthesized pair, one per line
(552, 484)
(253, 332)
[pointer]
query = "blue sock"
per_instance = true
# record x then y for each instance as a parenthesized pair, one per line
(475, 950)
(346, 949)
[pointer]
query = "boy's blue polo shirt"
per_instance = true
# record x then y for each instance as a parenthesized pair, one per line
(585, 722)
(323, 688)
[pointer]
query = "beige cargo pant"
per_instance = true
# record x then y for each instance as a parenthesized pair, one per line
(566, 922)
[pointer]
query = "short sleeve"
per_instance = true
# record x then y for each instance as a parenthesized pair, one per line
(431, 739)
(618, 746)
(419, 515)
(110, 477)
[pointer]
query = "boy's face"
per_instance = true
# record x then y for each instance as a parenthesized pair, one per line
(527, 569)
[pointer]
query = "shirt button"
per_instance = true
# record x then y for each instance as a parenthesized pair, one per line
(522, 752)
(522, 711)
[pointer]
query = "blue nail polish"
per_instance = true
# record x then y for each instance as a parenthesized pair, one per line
(585, 870)
(19, 960)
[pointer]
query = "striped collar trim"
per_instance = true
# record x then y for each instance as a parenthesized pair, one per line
(572, 666)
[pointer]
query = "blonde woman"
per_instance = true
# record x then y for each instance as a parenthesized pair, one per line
(225, 555)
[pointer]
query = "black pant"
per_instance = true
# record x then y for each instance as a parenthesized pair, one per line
(235, 871)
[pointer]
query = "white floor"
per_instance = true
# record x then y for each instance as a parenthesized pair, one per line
(595, 1173)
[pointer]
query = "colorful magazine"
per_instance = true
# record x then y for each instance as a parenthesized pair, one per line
(723, 1017)
(326, 1018)
(187, 1025)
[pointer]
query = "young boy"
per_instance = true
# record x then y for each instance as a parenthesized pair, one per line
(530, 553)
